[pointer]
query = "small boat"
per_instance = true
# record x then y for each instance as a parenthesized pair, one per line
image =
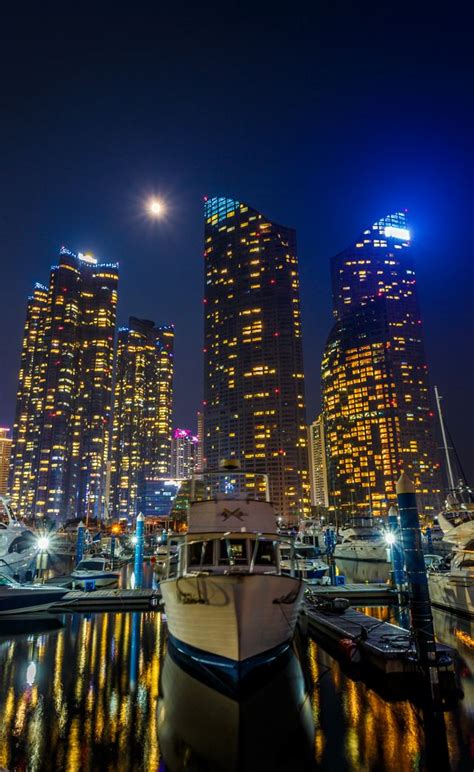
(94, 570)
(456, 521)
(453, 588)
(362, 540)
(227, 601)
(18, 545)
(304, 560)
(16, 598)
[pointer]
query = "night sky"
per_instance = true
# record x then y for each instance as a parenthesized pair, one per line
(324, 120)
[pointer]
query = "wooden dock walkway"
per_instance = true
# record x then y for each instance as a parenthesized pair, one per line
(361, 639)
(356, 594)
(109, 600)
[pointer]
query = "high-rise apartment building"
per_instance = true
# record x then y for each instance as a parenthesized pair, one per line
(318, 472)
(62, 424)
(5, 452)
(200, 463)
(184, 454)
(254, 404)
(376, 401)
(143, 400)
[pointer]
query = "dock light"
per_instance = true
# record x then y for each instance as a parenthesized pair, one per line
(156, 207)
(390, 538)
(134, 539)
(43, 543)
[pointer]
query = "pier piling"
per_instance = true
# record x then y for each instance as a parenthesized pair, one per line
(140, 535)
(418, 592)
(80, 539)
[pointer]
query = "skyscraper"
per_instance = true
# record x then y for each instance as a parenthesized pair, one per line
(5, 451)
(254, 406)
(318, 473)
(376, 399)
(184, 454)
(141, 436)
(62, 425)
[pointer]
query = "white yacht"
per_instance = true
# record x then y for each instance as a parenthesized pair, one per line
(456, 521)
(304, 560)
(226, 599)
(362, 540)
(96, 571)
(18, 545)
(454, 588)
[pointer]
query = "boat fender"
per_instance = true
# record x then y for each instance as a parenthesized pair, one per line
(350, 649)
(340, 604)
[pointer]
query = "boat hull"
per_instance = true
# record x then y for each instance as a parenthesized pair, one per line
(100, 580)
(376, 553)
(16, 602)
(452, 592)
(236, 618)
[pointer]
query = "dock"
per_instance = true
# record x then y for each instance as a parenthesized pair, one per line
(363, 640)
(356, 594)
(109, 600)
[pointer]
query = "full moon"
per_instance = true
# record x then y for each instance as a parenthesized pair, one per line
(155, 207)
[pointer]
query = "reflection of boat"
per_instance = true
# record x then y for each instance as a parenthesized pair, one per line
(364, 571)
(16, 598)
(94, 570)
(18, 546)
(229, 602)
(306, 562)
(362, 540)
(202, 728)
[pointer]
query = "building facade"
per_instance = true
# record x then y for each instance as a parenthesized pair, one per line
(318, 472)
(5, 453)
(62, 426)
(254, 401)
(143, 401)
(376, 401)
(184, 454)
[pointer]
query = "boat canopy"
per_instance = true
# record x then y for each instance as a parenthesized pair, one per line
(224, 514)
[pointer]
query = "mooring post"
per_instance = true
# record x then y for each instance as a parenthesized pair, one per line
(139, 533)
(396, 549)
(330, 541)
(112, 548)
(418, 592)
(429, 539)
(80, 539)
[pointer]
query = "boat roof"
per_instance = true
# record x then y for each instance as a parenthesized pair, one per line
(225, 514)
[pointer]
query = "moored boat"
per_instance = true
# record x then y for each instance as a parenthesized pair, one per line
(16, 598)
(18, 545)
(94, 571)
(227, 601)
(362, 540)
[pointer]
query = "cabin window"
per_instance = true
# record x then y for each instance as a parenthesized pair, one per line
(200, 553)
(233, 552)
(265, 555)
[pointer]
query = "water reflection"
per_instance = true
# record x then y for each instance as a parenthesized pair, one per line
(200, 727)
(363, 570)
(89, 696)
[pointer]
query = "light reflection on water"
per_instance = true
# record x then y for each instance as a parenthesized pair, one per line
(100, 693)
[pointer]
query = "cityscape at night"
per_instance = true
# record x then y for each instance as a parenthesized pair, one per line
(236, 458)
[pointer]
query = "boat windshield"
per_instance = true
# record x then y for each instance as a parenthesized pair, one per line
(90, 565)
(232, 552)
(5, 581)
(306, 552)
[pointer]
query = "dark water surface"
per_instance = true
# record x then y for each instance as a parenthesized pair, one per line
(102, 693)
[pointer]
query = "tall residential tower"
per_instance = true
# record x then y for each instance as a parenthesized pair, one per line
(141, 435)
(62, 424)
(254, 405)
(376, 400)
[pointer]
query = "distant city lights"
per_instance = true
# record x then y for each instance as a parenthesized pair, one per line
(397, 233)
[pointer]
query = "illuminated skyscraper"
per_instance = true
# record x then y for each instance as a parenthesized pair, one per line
(5, 451)
(254, 407)
(61, 431)
(141, 436)
(200, 446)
(184, 453)
(318, 472)
(376, 401)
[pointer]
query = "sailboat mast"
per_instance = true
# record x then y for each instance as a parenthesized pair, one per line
(445, 441)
